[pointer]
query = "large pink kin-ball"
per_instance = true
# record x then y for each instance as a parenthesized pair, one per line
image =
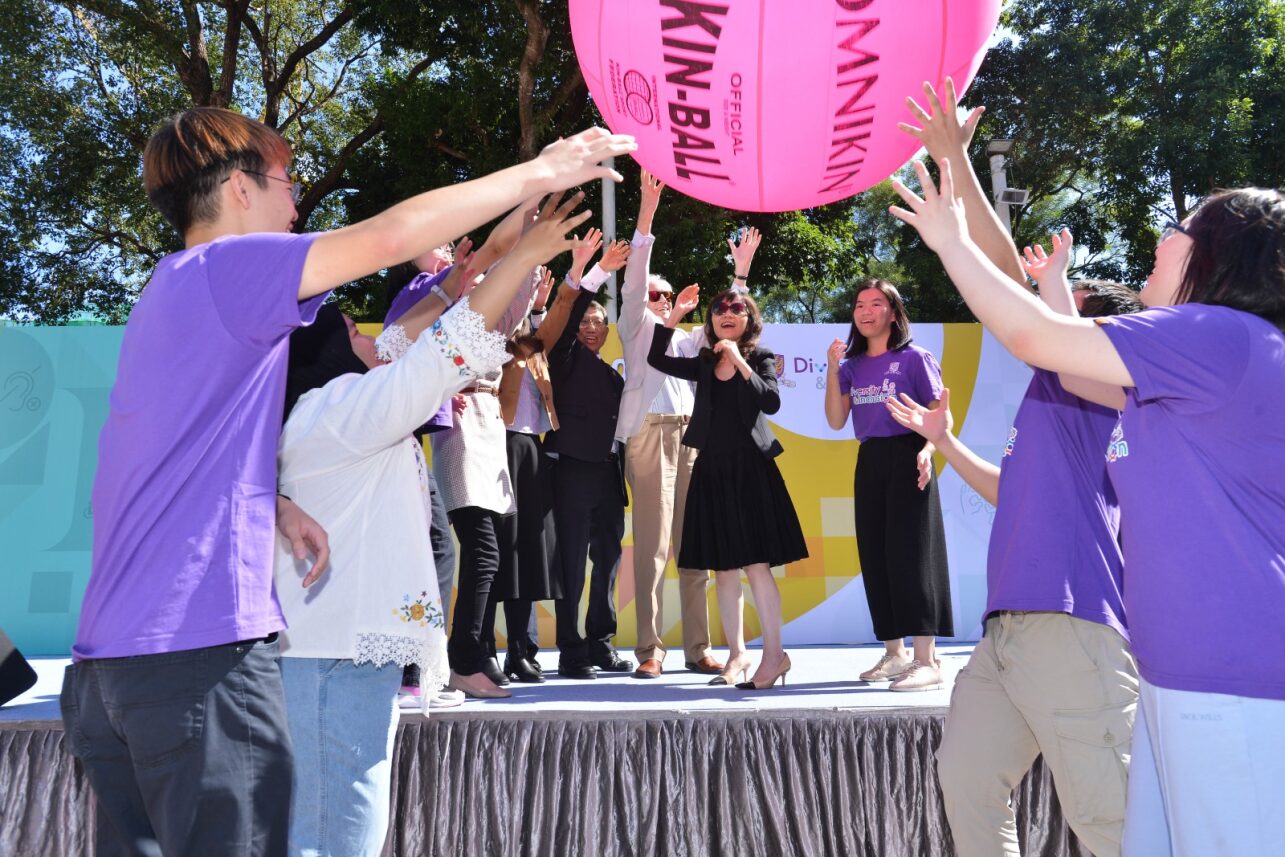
(773, 105)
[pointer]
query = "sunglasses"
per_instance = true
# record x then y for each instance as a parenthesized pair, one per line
(654, 295)
(734, 307)
(1171, 228)
(296, 188)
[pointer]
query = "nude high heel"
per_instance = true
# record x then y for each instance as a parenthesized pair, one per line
(785, 668)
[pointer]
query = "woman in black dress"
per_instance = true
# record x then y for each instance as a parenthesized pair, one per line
(738, 514)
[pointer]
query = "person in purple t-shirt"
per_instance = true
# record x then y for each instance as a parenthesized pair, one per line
(174, 702)
(901, 538)
(1196, 461)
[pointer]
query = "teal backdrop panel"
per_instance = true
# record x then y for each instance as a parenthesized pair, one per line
(54, 388)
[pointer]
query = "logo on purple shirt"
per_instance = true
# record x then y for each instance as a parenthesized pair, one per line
(1117, 447)
(1012, 441)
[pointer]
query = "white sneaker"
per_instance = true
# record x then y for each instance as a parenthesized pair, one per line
(409, 698)
(446, 699)
(889, 667)
(919, 676)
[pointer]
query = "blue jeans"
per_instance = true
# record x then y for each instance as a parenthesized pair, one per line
(343, 718)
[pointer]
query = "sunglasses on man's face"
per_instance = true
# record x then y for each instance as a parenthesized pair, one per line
(734, 307)
(654, 295)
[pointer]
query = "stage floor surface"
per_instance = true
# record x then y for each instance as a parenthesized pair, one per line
(823, 678)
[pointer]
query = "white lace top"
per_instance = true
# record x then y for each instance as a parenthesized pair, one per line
(347, 458)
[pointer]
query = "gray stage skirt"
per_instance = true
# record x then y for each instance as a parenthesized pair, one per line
(762, 783)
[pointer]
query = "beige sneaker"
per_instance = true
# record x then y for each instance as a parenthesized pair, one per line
(919, 676)
(889, 667)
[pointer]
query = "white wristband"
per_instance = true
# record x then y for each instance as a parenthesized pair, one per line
(441, 294)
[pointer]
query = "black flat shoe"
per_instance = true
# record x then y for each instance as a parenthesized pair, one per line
(577, 671)
(520, 669)
(614, 664)
(491, 669)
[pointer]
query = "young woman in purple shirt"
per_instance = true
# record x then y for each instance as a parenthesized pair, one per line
(1197, 462)
(901, 539)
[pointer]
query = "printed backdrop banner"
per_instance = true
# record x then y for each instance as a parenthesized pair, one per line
(54, 388)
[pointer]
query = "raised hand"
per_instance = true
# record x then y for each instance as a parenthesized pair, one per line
(1043, 267)
(687, 301)
(462, 272)
(939, 216)
(730, 351)
(547, 237)
(582, 250)
(743, 249)
(542, 290)
(942, 133)
(834, 354)
(615, 256)
(459, 404)
(931, 425)
(577, 159)
(648, 201)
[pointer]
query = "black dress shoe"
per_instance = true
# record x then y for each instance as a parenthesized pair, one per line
(520, 669)
(491, 669)
(613, 663)
(579, 671)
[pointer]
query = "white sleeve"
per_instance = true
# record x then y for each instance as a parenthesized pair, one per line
(362, 414)
(633, 294)
(593, 280)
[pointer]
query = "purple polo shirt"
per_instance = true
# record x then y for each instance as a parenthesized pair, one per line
(867, 381)
(1198, 461)
(184, 498)
(1054, 542)
(412, 293)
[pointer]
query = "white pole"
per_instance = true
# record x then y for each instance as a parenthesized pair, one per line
(609, 235)
(999, 183)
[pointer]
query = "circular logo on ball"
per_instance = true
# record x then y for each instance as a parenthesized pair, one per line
(638, 97)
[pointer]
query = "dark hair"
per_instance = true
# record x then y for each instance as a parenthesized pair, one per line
(898, 335)
(398, 277)
(189, 156)
(1238, 254)
(753, 321)
(1106, 298)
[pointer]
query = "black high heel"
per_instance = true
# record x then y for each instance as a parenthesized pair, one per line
(785, 668)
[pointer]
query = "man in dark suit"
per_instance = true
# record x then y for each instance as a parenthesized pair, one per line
(588, 490)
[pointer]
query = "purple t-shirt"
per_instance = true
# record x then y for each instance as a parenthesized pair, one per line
(1198, 461)
(1054, 542)
(185, 495)
(868, 381)
(412, 293)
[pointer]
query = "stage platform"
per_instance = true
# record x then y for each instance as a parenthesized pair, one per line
(826, 765)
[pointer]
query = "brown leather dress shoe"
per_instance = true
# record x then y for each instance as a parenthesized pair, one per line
(705, 666)
(649, 668)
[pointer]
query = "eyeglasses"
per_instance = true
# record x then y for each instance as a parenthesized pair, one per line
(1171, 228)
(296, 188)
(654, 295)
(734, 307)
(592, 321)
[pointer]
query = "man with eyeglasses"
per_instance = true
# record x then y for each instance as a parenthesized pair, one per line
(588, 489)
(654, 413)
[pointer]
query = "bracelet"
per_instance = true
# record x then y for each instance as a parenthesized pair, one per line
(739, 276)
(540, 311)
(441, 294)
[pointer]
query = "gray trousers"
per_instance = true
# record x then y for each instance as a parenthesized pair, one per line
(188, 753)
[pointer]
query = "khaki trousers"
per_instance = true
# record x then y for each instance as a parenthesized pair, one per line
(658, 468)
(1039, 683)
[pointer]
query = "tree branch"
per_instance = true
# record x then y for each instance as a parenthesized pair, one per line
(272, 105)
(236, 12)
(532, 53)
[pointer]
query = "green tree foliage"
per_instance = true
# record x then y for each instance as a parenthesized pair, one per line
(1125, 112)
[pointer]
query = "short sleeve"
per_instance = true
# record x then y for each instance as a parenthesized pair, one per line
(1192, 354)
(929, 381)
(254, 285)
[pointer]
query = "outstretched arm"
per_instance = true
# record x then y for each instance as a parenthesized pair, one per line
(837, 404)
(430, 219)
(1029, 330)
(944, 137)
(1049, 272)
(686, 368)
(934, 425)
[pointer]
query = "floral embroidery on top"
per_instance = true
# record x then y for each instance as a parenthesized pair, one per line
(421, 611)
